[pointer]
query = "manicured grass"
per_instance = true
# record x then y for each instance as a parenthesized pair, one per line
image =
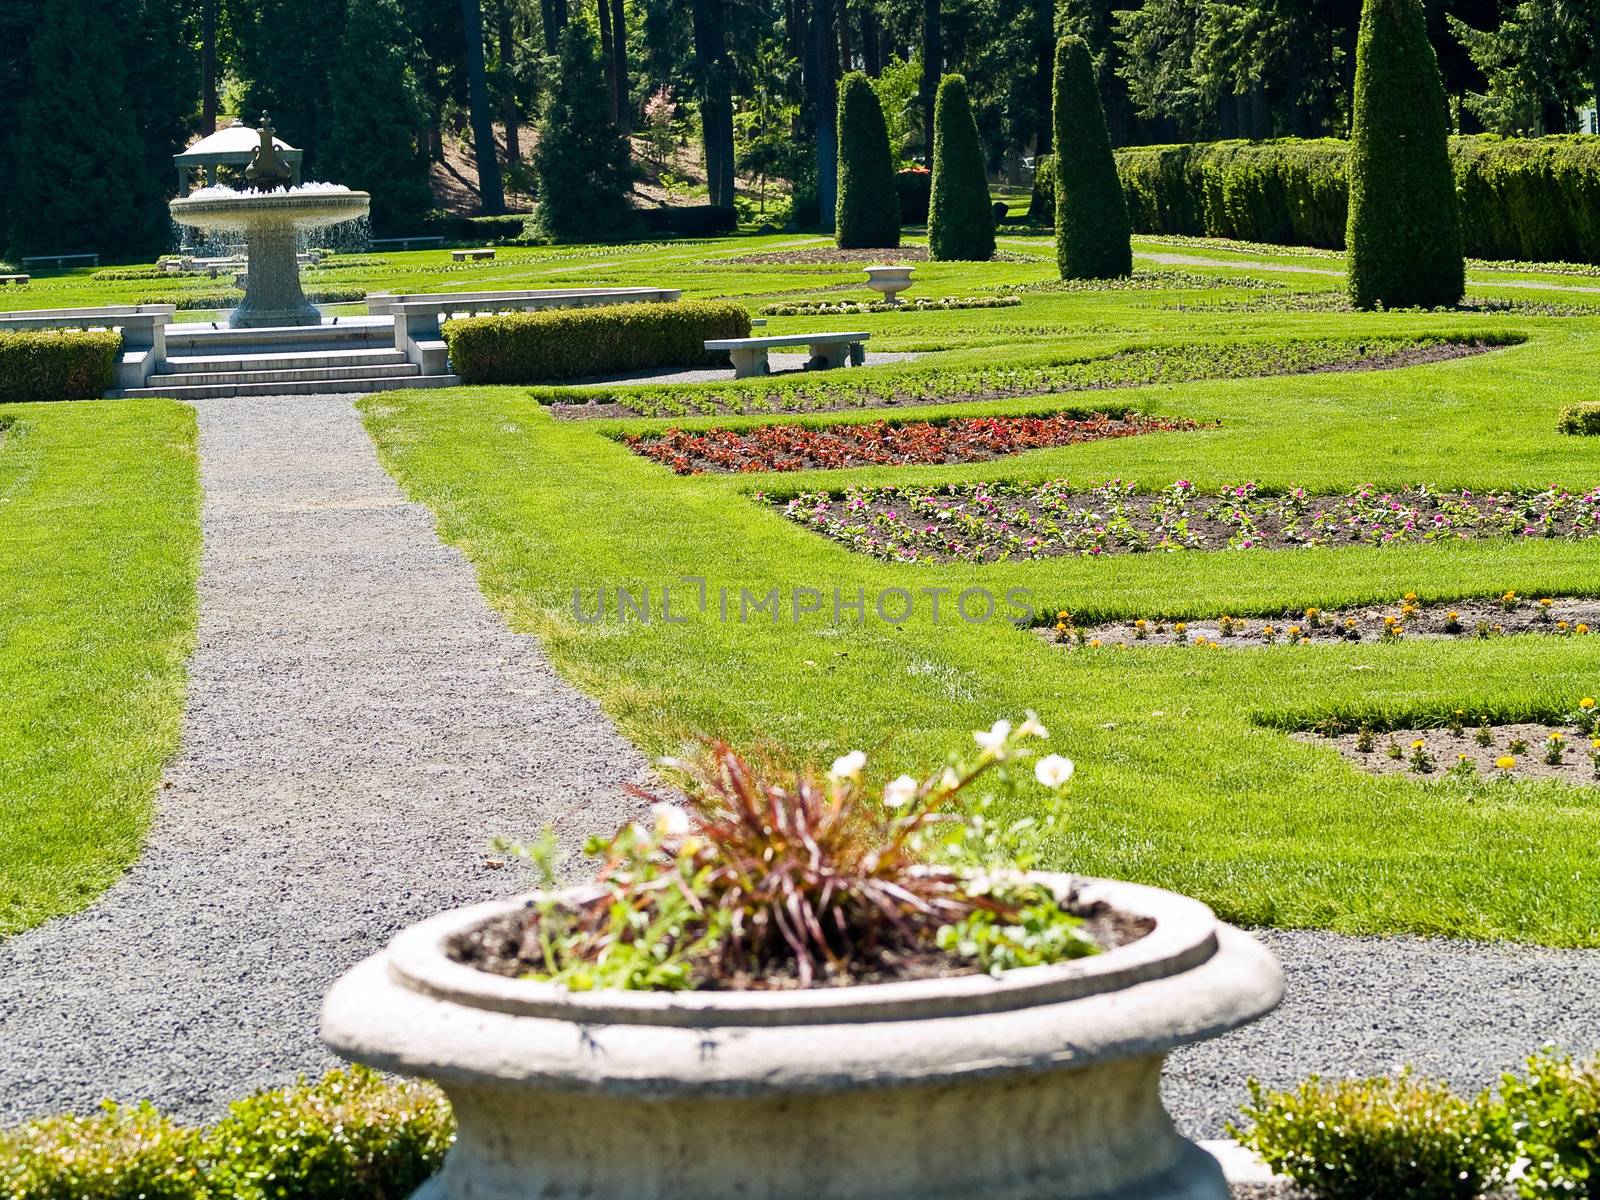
(1186, 777)
(99, 547)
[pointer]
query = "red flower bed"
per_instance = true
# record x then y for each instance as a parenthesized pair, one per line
(882, 443)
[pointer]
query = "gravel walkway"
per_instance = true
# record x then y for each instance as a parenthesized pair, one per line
(359, 726)
(1462, 1011)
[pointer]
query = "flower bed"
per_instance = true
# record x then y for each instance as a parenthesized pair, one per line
(1141, 367)
(1403, 620)
(854, 308)
(1469, 748)
(821, 256)
(990, 522)
(885, 443)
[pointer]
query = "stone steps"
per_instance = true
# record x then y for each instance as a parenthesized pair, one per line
(298, 373)
(310, 360)
(309, 387)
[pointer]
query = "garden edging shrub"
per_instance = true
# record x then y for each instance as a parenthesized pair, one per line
(569, 343)
(57, 364)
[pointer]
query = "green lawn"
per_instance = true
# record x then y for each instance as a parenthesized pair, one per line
(99, 547)
(1185, 777)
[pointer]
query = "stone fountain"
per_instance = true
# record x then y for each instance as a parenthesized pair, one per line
(270, 215)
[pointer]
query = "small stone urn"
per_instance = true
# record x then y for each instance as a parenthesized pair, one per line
(1043, 1082)
(889, 281)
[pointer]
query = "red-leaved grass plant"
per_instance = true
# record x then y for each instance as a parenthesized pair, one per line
(767, 879)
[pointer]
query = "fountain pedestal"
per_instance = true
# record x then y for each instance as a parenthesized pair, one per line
(272, 294)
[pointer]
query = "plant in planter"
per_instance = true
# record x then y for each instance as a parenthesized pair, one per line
(792, 987)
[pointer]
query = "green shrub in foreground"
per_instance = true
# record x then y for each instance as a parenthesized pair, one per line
(867, 213)
(1582, 418)
(117, 1154)
(1550, 1120)
(1404, 235)
(960, 218)
(349, 1136)
(1092, 233)
(65, 364)
(569, 343)
(1375, 1139)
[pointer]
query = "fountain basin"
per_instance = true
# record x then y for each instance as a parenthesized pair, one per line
(271, 224)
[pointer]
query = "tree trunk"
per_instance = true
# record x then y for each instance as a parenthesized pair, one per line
(716, 96)
(507, 42)
(871, 43)
(490, 192)
(1044, 40)
(607, 58)
(551, 14)
(619, 51)
(846, 57)
(932, 67)
(822, 96)
(208, 66)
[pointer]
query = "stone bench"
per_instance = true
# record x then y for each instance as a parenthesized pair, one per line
(405, 243)
(418, 317)
(19, 280)
(143, 328)
(60, 260)
(828, 350)
(472, 255)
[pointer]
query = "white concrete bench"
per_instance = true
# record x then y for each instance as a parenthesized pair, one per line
(405, 243)
(60, 260)
(417, 318)
(143, 328)
(19, 280)
(828, 350)
(472, 255)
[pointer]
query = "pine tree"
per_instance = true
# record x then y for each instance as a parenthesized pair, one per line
(1093, 239)
(372, 141)
(581, 162)
(78, 183)
(1404, 235)
(868, 212)
(960, 216)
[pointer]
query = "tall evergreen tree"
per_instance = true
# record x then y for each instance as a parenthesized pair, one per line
(1093, 239)
(960, 216)
(714, 74)
(581, 161)
(78, 184)
(821, 93)
(377, 113)
(491, 193)
(18, 21)
(868, 211)
(285, 71)
(1404, 235)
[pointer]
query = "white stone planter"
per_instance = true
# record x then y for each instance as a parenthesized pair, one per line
(1041, 1085)
(889, 282)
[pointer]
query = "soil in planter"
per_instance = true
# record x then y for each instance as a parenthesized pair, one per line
(994, 522)
(1446, 754)
(882, 443)
(509, 946)
(1404, 620)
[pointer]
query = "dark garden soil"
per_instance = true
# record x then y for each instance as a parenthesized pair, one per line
(509, 946)
(818, 256)
(1526, 751)
(882, 443)
(1402, 620)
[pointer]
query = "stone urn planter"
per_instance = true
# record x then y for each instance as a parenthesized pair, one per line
(1038, 1085)
(889, 282)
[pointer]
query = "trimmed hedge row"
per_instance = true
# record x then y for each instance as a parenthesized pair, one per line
(1534, 199)
(568, 343)
(60, 364)
(350, 1136)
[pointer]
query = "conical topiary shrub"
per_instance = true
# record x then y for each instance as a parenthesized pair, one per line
(1404, 235)
(1093, 238)
(960, 217)
(868, 211)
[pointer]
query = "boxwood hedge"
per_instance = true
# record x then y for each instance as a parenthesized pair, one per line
(65, 364)
(569, 343)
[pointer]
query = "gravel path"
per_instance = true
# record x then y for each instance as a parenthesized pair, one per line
(359, 726)
(1462, 1011)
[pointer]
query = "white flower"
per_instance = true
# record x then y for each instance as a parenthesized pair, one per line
(994, 738)
(848, 766)
(950, 780)
(899, 792)
(1032, 728)
(672, 820)
(1053, 770)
